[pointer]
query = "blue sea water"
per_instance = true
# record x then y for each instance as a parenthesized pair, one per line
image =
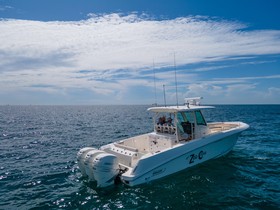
(38, 168)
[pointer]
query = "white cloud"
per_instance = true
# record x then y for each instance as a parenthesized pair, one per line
(51, 56)
(235, 90)
(5, 8)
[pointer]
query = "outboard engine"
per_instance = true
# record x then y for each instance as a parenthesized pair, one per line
(88, 162)
(105, 169)
(81, 158)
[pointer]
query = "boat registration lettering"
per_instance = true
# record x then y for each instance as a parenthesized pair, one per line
(194, 157)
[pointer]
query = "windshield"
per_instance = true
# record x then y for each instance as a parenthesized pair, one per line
(189, 117)
(199, 118)
(185, 117)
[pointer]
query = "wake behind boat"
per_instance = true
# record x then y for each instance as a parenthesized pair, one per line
(181, 139)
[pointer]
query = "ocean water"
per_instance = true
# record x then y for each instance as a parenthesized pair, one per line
(38, 168)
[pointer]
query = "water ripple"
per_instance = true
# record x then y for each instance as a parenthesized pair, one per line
(39, 146)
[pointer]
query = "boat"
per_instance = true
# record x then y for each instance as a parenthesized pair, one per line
(181, 139)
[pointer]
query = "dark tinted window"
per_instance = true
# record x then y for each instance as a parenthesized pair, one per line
(199, 118)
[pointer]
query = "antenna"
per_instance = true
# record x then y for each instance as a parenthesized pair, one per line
(155, 82)
(175, 79)
(164, 95)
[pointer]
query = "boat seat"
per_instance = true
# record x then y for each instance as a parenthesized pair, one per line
(172, 130)
(158, 128)
(126, 147)
(165, 129)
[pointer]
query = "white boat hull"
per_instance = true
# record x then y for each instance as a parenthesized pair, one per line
(180, 158)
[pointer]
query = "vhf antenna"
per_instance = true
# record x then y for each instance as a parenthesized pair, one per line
(175, 79)
(164, 95)
(155, 82)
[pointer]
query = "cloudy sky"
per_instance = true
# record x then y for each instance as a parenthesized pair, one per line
(120, 51)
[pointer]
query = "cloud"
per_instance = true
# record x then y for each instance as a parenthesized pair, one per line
(111, 52)
(5, 8)
(241, 79)
(236, 90)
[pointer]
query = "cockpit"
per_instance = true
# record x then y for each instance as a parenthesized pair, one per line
(187, 125)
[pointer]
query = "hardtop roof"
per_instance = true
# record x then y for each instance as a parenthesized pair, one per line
(175, 109)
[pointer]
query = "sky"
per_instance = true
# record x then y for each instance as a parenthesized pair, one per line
(93, 52)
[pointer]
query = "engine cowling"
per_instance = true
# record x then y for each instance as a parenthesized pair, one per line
(105, 169)
(88, 162)
(81, 158)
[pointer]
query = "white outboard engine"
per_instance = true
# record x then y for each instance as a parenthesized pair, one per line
(105, 169)
(88, 162)
(81, 158)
